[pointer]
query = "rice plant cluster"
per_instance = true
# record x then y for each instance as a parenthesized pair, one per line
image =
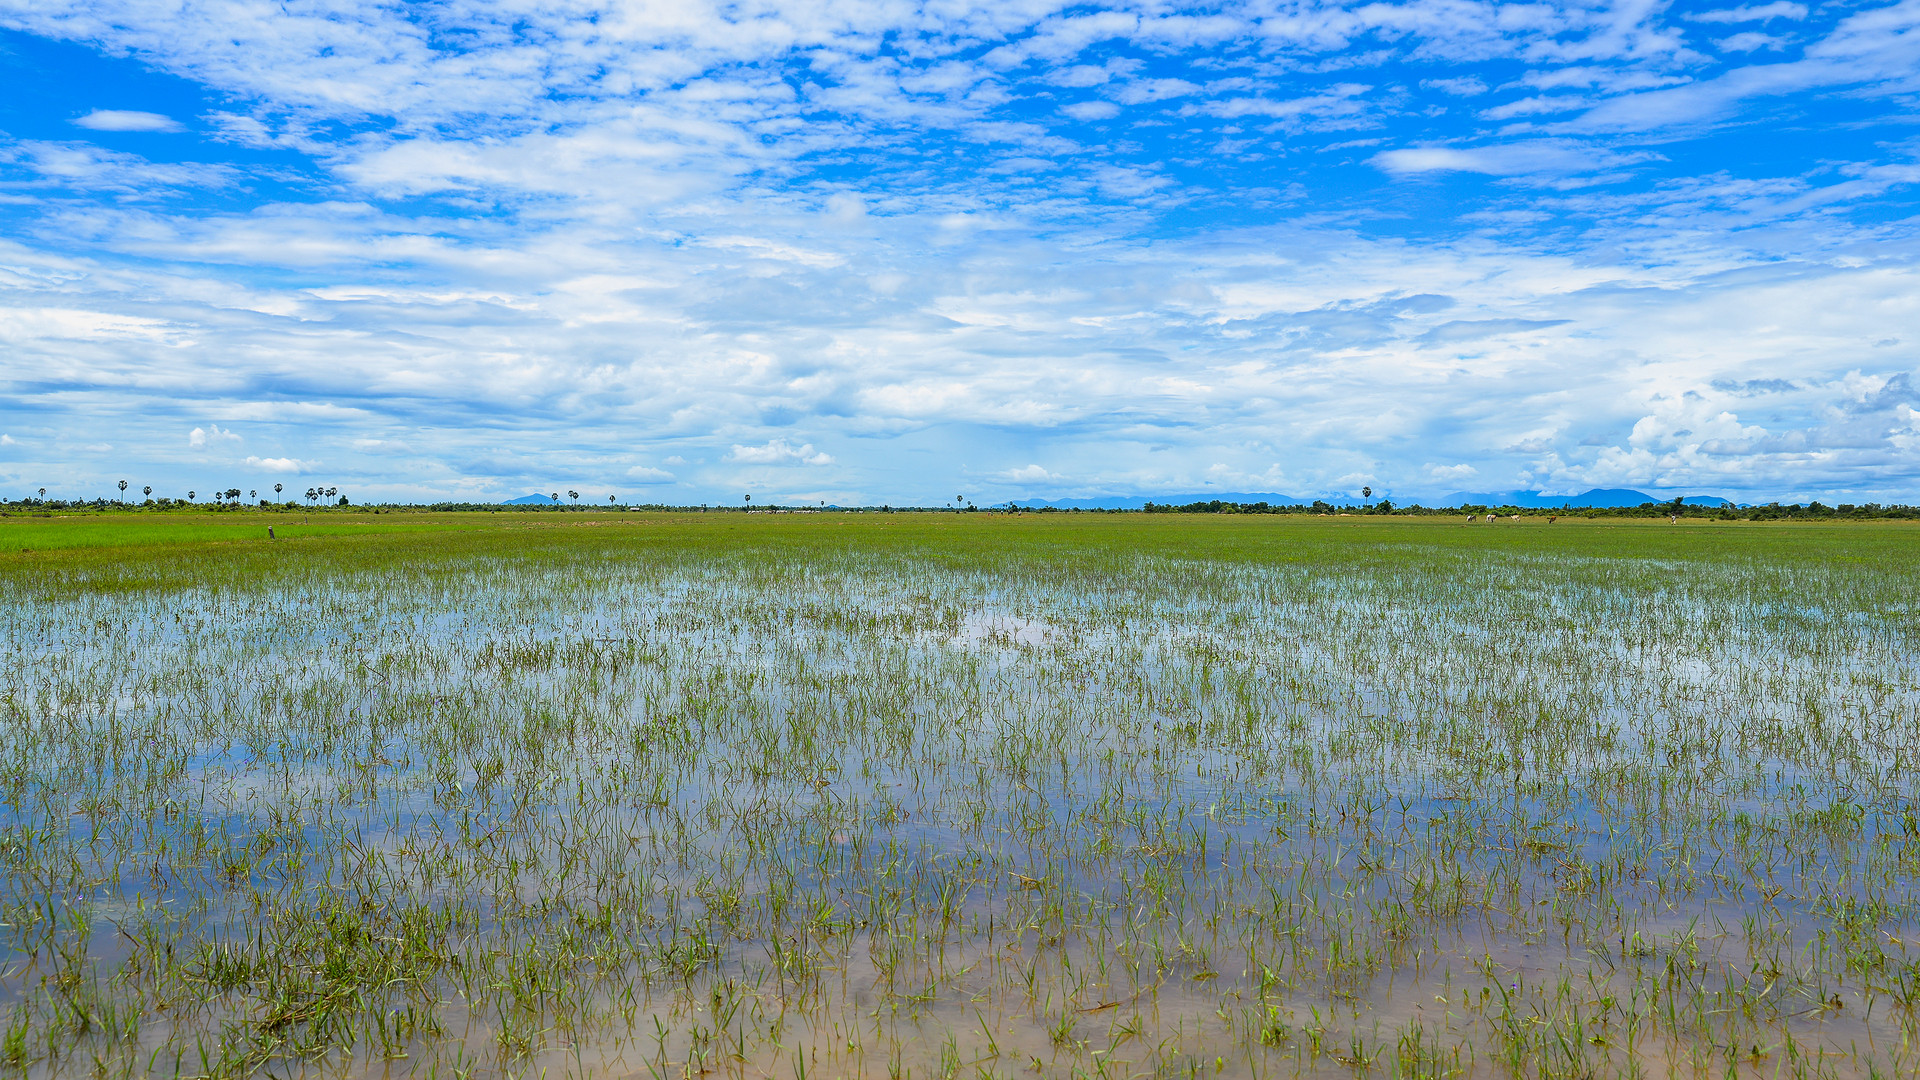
(989, 798)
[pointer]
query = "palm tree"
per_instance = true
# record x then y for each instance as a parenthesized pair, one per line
(1366, 493)
(147, 491)
(189, 496)
(555, 496)
(123, 491)
(43, 493)
(609, 500)
(575, 496)
(276, 491)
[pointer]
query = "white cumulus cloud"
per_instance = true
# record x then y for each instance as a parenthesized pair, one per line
(211, 435)
(280, 464)
(779, 452)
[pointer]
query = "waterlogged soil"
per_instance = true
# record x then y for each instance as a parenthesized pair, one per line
(826, 812)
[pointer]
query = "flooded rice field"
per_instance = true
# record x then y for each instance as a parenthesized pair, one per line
(834, 812)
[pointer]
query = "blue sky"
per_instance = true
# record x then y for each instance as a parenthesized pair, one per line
(889, 252)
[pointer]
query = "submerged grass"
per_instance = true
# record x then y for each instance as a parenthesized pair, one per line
(960, 795)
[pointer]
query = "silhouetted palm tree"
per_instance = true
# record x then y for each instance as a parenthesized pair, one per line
(147, 491)
(276, 491)
(123, 490)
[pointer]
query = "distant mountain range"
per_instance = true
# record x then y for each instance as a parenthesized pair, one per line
(1597, 497)
(532, 500)
(1136, 502)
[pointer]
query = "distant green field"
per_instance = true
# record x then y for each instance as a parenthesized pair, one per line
(422, 534)
(58, 532)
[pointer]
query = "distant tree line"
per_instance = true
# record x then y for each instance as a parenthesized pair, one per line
(227, 501)
(220, 504)
(224, 499)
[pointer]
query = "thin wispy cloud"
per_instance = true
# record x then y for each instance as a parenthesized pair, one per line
(875, 252)
(127, 120)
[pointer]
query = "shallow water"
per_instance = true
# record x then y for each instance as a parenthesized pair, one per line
(883, 816)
